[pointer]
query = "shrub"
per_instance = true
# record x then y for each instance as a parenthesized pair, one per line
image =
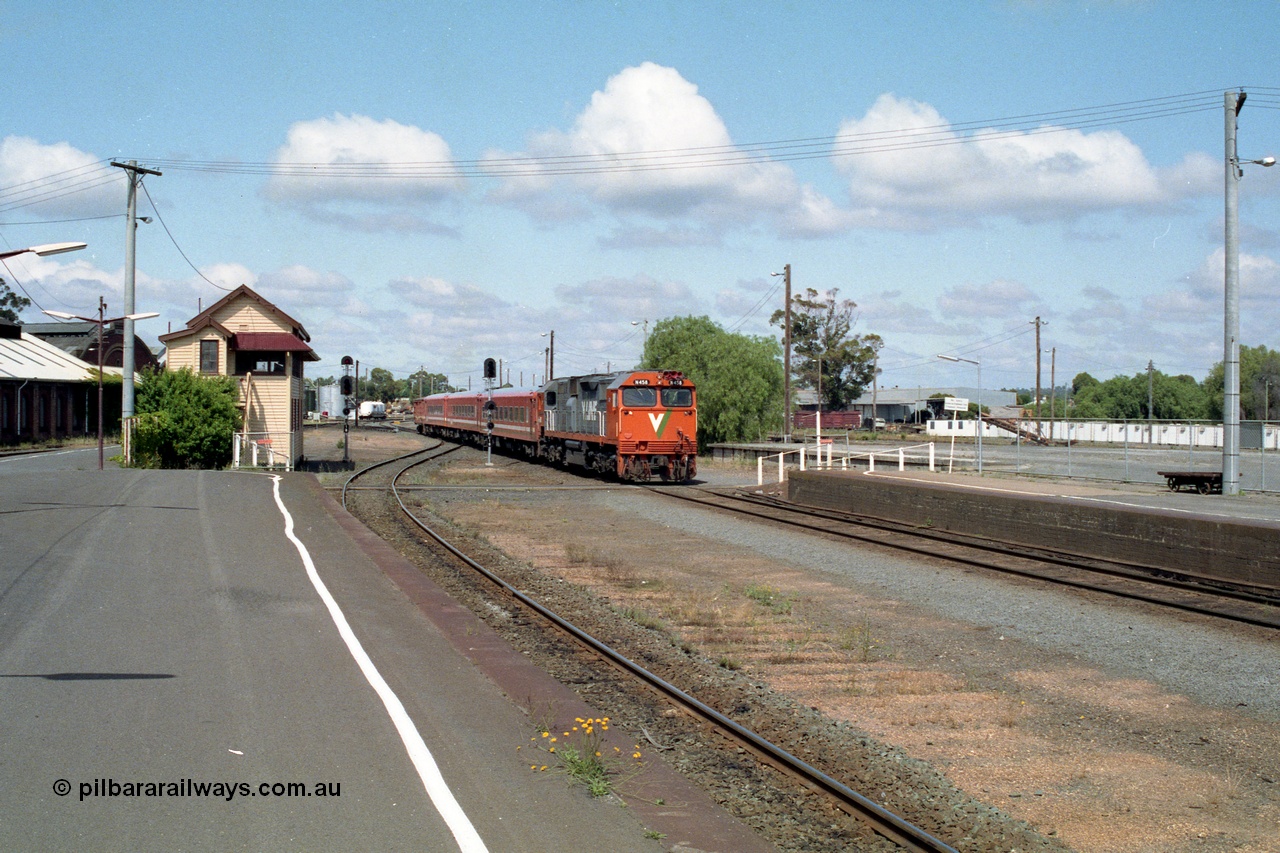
(184, 420)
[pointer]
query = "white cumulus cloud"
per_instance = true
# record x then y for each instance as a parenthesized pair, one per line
(647, 143)
(357, 158)
(906, 166)
(56, 180)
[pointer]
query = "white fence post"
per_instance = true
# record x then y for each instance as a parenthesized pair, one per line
(931, 457)
(759, 470)
(871, 463)
(902, 460)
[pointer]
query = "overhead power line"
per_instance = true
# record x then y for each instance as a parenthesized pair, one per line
(756, 153)
(173, 240)
(92, 175)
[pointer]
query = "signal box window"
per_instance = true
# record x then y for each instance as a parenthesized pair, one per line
(677, 398)
(639, 397)
(270, 363)
(208, 356)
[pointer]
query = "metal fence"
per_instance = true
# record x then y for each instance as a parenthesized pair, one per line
(261, 450)
(1119, 451)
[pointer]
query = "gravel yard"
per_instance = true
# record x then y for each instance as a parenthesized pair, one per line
(1105, 726)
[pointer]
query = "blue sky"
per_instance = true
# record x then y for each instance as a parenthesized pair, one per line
(431, 184)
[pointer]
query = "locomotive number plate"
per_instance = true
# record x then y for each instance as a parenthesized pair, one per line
(640, 382)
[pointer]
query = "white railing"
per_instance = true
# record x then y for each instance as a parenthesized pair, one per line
(261, 450)
(899, 455)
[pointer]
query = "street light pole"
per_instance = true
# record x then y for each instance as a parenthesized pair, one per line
(1232, 102)
(101, 322)
(786, 353)
(130, 253)
(551, 355)
(977, 364)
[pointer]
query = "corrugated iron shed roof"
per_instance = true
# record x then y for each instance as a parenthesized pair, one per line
(28, 357)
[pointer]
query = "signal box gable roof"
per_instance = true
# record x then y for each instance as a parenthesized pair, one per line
(253, 339)
(244, 291)
(199, 323)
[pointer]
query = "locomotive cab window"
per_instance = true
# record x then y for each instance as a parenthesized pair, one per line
(639, 397)
(677, 398)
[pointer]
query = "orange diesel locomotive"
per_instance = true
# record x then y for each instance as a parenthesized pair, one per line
(635, 425)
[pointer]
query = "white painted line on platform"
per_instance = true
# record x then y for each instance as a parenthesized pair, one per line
(20, 457)
(437, 789)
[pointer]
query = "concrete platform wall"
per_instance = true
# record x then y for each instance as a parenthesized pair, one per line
(1197, 545)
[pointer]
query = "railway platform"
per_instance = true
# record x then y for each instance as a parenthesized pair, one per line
(1234, 538)
(179, 629)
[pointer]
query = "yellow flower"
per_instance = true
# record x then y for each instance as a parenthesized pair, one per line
(635, 755)
(553, 749)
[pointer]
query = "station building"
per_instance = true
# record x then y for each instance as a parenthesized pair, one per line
(80, 339)
(245, 336)
(46, 393)
(910, 405)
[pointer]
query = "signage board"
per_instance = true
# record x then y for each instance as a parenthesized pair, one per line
(955, 404)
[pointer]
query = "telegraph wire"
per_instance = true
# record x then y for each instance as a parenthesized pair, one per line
(21, 286)
(90, 176)
(76, 219)
(165, 225)
(742, 321)
(760, 153)
(56, 185)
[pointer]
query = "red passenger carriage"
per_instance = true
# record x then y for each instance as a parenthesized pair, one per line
(635, 424)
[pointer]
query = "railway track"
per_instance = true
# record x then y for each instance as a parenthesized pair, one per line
(1258, 606)
(885, 823)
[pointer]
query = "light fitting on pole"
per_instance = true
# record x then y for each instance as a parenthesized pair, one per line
(44, 250)
(977, 364)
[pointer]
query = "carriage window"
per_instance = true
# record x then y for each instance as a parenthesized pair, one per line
(677, 398)
(639, 396)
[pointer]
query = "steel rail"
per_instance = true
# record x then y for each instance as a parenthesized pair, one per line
(1176, 578)
(881, 820)
(1271, 622)
(347, 485)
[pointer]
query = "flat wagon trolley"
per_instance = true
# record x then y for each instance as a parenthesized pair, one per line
(1204, 482)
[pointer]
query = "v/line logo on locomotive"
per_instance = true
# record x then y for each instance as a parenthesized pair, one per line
(636, 425)
(659, 421)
